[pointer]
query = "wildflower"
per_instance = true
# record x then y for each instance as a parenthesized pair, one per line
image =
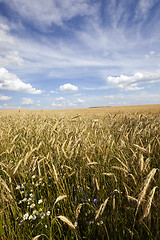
(91, 222)
(75, 224)
(37, 212)
(18, 187)
(46, 226)
(36, 184)
(33, 217)
(31, 194)
(95, 200)
(82, 200)
(33, 176)
(30, 217)
(40, 210)
(42, 215)
(25, 216)
(48, 213)
(32, 183)
(32, 205)
(22, 186)
(98, 223)
(24, 200)
(34, 212)
(40, 201)
(101, 222)
(20, 202)
(22, 192)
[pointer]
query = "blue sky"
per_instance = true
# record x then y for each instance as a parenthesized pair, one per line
(57, 54)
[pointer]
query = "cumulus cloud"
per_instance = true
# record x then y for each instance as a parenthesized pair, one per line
(57, 104)
(64, 104)
(4, 98)
(68, 88)
(60, 99)
(131, 82)
(79, 100)
(10, 82)
(27, 101)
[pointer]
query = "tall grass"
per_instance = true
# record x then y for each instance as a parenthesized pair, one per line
(80, 177)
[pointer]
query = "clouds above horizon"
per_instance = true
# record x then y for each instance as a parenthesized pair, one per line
(132, 82)
(68, 88)
(4, 98)
(10, 82)
(90, 47)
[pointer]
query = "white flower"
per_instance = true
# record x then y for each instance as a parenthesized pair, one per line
(24, 200)
(48, 213)
(75, 224)
(46, 226)
(33, 176)
(36, 184)
(30, 217)
(18, 187)
(32, 205)
(31, 194)
(42, 215)
(33, 217)
(40, 201)
(25, 216)
(34, 212)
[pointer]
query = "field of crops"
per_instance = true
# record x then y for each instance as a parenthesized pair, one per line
(80, 174)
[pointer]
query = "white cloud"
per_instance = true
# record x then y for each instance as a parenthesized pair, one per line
(132, 99)
(54, 11)
(152, 52)
(27, 101)
(11, 58)
(4, 98)
(4, 35)
(68, 88)
(57, 104)
(131, 82)
(60, 99)
(64, 104)
(79, 100)
(10, 82)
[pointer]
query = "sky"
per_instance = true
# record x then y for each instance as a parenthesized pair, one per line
(59, 54)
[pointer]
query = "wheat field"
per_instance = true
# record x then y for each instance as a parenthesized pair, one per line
(80, 174)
